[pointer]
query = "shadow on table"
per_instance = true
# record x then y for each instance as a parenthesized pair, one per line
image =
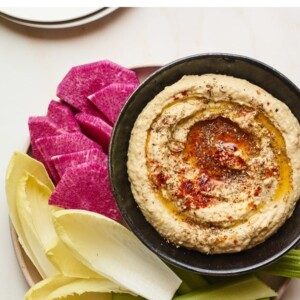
(64, 33)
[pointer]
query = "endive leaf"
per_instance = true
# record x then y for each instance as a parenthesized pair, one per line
(38, 194)
(19, 163)
(41, 290)
(61, 287)
(63, 259)
(40, 224)
(92, 296)
(114, 252)
(126, 297)
(26, 189)
(81, 286)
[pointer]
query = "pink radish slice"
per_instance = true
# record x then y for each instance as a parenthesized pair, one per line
(87, 187)
(112, 98)
(95, 128)
(62, 115)
(84, 80)
(62, 144)
(64, 161)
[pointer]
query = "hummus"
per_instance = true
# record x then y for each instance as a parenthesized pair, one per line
(214, 163)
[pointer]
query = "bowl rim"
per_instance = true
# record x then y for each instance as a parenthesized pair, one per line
(131, 225)
(228, 56)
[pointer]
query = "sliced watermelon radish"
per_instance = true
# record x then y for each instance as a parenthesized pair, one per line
(87, 187)
(36, 153)
(62, 116)
(43, 126)
(64, 161)
(95, 128)
(84, 80)
(112, 98)
(39, 127)
(62, 144)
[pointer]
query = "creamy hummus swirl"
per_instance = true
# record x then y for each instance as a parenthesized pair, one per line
(214, 163)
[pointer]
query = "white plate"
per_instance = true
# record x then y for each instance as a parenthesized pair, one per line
(68, 21)
(48, 14)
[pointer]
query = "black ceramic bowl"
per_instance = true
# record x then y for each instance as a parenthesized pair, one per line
(220, 264)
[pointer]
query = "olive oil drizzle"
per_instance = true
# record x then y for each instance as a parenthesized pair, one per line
(284, 176)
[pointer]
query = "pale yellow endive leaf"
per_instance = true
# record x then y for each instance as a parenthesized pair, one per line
(111, 250)
(19, 163)
(38, 195)
(36, 232)
(26, 190)
(63, 259)
(61, 287)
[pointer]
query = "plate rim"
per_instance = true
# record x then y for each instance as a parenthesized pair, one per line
(14, 12)
(64, 24)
